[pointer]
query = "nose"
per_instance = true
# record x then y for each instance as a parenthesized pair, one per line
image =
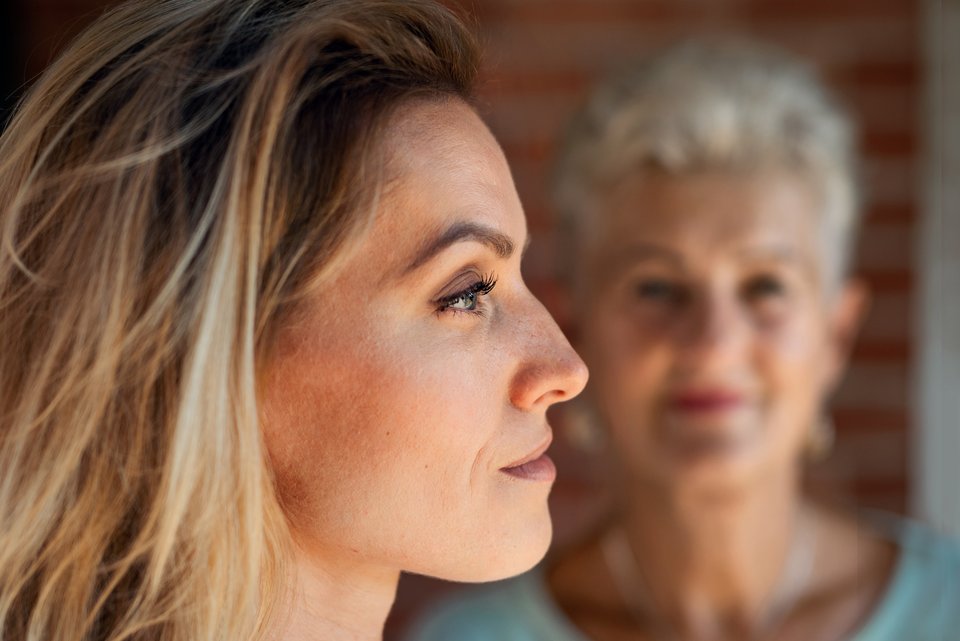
(550, 371)
(713, 333)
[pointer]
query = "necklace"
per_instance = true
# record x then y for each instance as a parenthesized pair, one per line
(635, 591)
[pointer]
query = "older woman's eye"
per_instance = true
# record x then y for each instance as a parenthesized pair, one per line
(467, 300)
(764, 287)
(661, 290)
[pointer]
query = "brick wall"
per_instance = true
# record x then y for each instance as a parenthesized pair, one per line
(540, 58)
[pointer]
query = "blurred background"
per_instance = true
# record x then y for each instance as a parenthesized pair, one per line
(542, 57)
(895, 64)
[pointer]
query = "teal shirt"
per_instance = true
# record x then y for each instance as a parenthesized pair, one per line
(921, 602)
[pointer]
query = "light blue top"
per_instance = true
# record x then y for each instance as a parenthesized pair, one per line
(921, 601)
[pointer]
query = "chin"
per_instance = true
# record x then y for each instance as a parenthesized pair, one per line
(517, 556)
(720, 477)
(513, 548)
(699, 473)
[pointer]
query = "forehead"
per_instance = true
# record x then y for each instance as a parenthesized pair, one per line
(710, 211)
(442, 165)
(423, 131)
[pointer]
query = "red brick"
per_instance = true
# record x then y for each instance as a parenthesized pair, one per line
(869, 420)
(900, 75)
(892, 213)
(889, 317)
(825, 9)
(873, 457)
(899, 144)
(882, 351)
(886, 247)
(890, 181)
(584, 13)
(530, 119)
(874, 386)
(882, 108)
(506, 82)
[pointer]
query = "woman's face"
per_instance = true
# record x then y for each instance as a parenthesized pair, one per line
(708, 325)
(405, 410)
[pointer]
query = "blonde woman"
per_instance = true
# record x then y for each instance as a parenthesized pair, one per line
(710, 200)
(266, 342)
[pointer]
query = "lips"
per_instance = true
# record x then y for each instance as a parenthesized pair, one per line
(706, 401)
(535, 466)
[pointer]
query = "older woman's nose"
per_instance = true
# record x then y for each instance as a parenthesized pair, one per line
(714, 331)
(550, 370)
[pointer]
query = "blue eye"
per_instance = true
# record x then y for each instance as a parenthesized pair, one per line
(467, 300)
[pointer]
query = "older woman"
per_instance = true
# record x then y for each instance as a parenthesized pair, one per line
(265, 338)
(709, 198)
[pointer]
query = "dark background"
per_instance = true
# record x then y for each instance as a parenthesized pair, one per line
(11, 56)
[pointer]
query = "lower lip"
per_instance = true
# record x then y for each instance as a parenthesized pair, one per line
(539, 469)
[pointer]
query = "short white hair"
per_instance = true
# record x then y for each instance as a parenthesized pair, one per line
(713, 105)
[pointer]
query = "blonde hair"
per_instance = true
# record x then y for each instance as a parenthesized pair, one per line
(713, 105)
(169, 189)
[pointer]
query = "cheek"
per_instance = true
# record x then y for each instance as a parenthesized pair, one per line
(629, 362)
(323, 428)
(791, 363)
(368, 435)
(792, 354)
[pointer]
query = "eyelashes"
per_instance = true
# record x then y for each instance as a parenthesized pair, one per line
(468, 299)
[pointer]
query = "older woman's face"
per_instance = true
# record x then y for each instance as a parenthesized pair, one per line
(405, 413)
(705, 320)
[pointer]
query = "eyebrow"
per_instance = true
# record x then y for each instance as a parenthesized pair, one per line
(462, 232)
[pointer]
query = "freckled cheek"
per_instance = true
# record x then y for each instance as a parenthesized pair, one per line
(407, 411)
(460, 398)
(316, 433)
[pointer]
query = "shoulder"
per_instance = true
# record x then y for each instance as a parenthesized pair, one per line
(925, 556)
(922, 600)
(514, 610)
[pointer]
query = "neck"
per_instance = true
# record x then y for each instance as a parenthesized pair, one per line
(336, 597)
(718, 567)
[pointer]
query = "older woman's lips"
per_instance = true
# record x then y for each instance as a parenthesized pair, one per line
(706, 401)
(536, 466)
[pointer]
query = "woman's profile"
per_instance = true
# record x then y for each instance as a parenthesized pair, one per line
(266, 341)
